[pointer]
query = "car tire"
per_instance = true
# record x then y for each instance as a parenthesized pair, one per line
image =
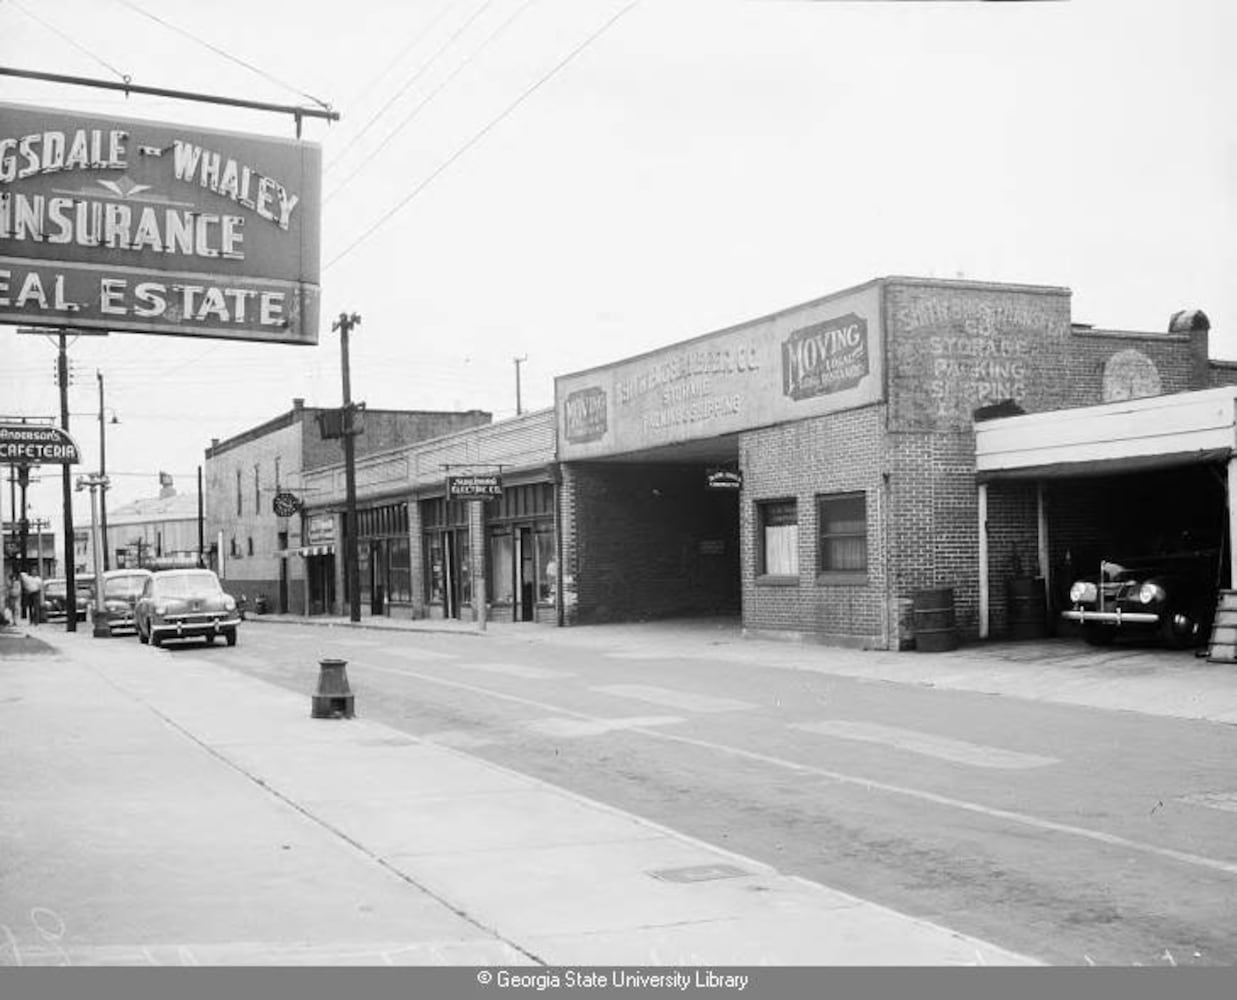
(230, 635)
(1180, 631)
(155, 639)
(1098, 635)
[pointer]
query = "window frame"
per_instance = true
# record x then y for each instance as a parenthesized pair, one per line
(830, 575)
(762, 510)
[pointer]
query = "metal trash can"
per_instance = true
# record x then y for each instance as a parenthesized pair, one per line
(935, 628)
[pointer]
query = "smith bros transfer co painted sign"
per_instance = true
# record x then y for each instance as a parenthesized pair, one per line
(816, 358)
(125, 225)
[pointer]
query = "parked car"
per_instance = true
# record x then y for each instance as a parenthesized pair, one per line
(1172, 597)
(121, 589)
(56, 594)
(184, 604)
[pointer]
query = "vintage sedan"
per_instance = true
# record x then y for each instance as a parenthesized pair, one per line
(121, 589)
(185, 604)
(1171, 597)
(56, 596)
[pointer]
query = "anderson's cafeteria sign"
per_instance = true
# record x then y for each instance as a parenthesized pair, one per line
(125, 225)
(36, 444)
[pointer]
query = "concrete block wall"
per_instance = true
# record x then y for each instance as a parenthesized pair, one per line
(838, 453)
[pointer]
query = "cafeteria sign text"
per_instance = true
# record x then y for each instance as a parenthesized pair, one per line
(117, 224)
(36, 444)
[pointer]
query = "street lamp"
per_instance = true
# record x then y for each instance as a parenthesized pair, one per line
(103, 469)
(96, 483)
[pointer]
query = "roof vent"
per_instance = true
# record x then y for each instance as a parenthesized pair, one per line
(1187, 320)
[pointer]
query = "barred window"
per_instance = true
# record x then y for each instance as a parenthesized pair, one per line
(779, 537)
(842, 520)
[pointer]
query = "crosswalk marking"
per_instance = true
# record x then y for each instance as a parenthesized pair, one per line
(674, 699)
(927, 744)
(596, 727)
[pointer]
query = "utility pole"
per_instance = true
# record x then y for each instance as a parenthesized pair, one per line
(344, 325)
(518, 361)
(103, 473)
(66, 492)
(201, 525)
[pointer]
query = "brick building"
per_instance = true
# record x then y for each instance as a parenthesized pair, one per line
(290, 561)
(813, 472)
(851, 423)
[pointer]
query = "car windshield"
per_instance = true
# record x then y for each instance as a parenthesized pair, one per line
(124, 586)
(187, 585)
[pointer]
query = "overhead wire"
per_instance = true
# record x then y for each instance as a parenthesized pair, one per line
(223, 52)
(427, 99)
(399, 56)
(416, 76)
(494, 122)
(66, 37)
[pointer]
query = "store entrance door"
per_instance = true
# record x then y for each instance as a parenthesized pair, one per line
(526, 579)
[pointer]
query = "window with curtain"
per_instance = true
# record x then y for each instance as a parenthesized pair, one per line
(547, 566)
(842, 520)
(502, 554)
(779, 537)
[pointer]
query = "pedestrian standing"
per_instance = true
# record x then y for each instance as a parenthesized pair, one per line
(32, 591)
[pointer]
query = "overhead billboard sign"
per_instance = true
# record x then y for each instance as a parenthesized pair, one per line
(37, 444)
(123, 225)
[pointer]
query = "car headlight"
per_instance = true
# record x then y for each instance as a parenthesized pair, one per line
(228, 603)
(1082, 592)
(1151, 593)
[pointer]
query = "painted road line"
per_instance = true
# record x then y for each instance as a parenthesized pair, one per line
(1213, 800)
(407, 653)
(596, 727)
(687, 700)
(927, 744)
(517, 670)
(1006, 815)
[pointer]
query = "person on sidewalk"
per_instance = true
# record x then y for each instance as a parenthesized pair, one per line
(32, 589)
(12, 598)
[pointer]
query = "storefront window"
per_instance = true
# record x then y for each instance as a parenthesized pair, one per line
(547, 567)
(400, 570)
(502, 573)
(436, 576)
(779, 535)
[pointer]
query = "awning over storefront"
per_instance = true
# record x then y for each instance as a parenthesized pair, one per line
(308, 550)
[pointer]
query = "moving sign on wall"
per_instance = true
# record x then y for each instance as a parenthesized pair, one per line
(813, 359)
(124, 225)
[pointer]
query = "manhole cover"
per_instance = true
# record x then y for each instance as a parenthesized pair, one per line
(699, 873)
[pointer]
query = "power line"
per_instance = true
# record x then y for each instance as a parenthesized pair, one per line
(80, 48)
(223, 52)
(479, 136)
(416, 76)
(428, 97)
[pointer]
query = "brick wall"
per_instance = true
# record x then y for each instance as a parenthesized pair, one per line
(385, 430)
(838, 453)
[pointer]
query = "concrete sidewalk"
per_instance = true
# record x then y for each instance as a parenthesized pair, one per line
(160, 809)
(1128, 678)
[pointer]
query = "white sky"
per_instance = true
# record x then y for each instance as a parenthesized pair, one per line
(700, 163)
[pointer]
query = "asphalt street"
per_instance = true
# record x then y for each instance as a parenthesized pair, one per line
(1072, 834)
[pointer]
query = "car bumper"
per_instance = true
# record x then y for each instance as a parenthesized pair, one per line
(1116, 618)
(193, 628)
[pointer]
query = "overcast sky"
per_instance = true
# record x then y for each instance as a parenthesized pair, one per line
(696, 164)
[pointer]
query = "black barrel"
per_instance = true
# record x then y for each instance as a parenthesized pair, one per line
(1028, 607)
(935, 630)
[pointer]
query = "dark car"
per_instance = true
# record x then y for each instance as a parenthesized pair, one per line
(121, 589)
(1172, 597)
(184, 604)
(56, 595)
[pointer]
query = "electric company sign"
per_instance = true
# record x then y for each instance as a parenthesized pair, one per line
(146, 227)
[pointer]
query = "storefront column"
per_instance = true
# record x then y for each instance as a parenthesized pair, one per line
(416, 559)
(983, 560)
(1232, 519)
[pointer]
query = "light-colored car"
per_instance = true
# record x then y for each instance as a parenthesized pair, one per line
(121, 589)
(185, 604)
(55, 597)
